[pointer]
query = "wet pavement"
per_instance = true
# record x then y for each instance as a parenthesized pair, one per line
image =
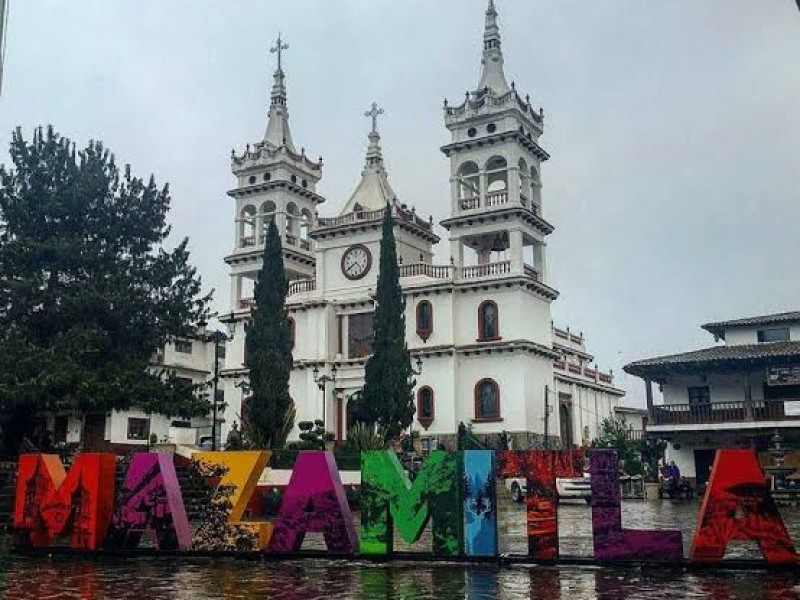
(169, 578)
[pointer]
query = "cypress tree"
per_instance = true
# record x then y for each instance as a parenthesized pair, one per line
(88, 292)
(269, 350)
(387, 398)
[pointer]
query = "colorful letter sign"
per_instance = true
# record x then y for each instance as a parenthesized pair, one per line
(540, 469)
(50, 501)
(238, 473)
(611, 541)
(314, 501)
(480, 503)
(150, 499)
(738, 506)
(389, 499)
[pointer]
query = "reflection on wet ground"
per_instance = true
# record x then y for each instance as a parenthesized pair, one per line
(151, 579)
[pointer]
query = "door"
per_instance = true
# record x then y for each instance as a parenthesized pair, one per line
(565, 419)
(94, 432)
(703, 460)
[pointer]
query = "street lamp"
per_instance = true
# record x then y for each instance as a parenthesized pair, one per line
(417, 371)
(322, 382)
(218, 338)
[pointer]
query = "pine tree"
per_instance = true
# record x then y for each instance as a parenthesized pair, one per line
(387, 397)
(269, 351)
(88, 292)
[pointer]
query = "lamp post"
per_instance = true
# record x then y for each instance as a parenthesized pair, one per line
(217, 338)
(415, 372)
(322, 382)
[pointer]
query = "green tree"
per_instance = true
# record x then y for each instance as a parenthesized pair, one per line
(269, 351)
(615, 434)
(88, 292)
(387, 399)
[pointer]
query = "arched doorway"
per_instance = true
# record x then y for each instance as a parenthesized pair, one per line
(565, 420)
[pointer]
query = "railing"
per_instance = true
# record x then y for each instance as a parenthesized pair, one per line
(470, 203)
(426, 270)
(497, 198)
(246, 303)
(531, 272)
(634, 435)
(374, 215)
(487, 270)
(305, 245)
(250, 240)
(720, 412)
(605, 378)
(302, 285)
(592, 374)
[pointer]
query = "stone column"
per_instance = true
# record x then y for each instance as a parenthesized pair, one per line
(482, 189)
(236, 291)
(517, 256)
(514, 183)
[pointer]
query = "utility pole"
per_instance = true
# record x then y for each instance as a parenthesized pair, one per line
(3, 28)
(546, 416)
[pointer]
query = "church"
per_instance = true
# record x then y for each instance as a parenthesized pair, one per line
(479, 328)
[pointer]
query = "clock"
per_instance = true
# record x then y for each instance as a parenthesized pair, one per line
(356, 261)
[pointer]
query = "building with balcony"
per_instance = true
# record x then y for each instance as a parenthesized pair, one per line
(480, 324)
(737, 394)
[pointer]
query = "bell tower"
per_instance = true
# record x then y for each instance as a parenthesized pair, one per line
(496, 223)
(274, 182)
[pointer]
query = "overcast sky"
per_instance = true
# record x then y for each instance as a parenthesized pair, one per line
(673, 125)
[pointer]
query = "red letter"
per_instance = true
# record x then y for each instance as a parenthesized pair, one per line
(738, 506)
(49, 501)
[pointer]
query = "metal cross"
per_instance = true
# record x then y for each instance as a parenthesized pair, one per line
(279, 47)
(374, 112)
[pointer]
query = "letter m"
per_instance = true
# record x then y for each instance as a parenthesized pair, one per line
(51, 502)
(389, 499)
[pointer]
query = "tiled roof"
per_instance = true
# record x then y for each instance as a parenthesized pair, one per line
(770, 353)
(785, 317)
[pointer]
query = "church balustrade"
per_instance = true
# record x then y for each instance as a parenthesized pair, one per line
(249, 240)
(246, 303)
(486, 270)
(497, 198)
(470, 203)
(302, 285)
(426, 270)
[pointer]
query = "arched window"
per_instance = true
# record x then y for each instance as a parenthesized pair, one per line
(291, 217)
(468, 184)
(290, 321)
(487, 400)
(496, 174)
(488, 322)
(524, 181)
(267, 216)
(425, 408)
(424, 320)
(305, 223)
(248, 226)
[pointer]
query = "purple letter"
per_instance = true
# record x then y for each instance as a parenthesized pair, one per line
(150, 499)
(314, 501)
(611, 541)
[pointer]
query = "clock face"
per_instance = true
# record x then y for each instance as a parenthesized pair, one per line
(356, 262)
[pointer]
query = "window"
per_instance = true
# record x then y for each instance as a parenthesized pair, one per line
(291, 332)
(491, 128)
(294, 178)
(221, 352)
(304, 183)
(252, 179)
(779, 334)
(267, 176)
(359, 335)
(488, 322)
(138, 429)
(487, 401)
(699, 397)
(183, 346)
(425, 410)
(424, 320)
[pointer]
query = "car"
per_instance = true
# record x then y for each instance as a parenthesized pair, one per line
(567, 488)
(205, 442)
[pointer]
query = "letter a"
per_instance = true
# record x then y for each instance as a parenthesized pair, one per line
(738, 506)
(150, 499)
(314, 501)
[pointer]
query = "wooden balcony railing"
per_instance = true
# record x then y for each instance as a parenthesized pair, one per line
(720, 412)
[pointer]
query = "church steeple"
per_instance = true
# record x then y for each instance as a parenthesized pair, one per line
(278, 133)
(492, 75)
(373, 191)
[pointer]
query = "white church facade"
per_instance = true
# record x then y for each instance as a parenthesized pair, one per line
(479, 327)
